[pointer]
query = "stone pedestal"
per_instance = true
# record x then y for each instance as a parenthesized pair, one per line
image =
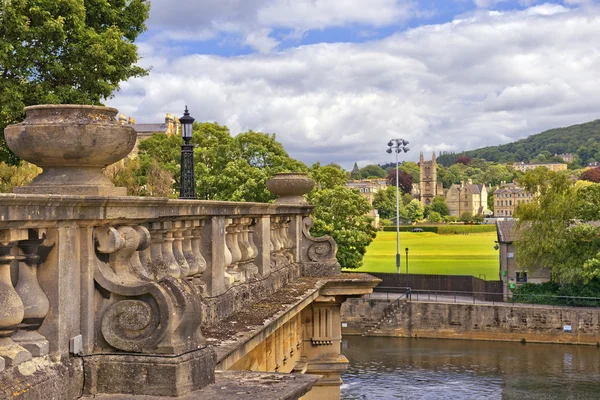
(149, 375)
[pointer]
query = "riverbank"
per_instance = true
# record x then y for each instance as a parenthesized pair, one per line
(498, 322)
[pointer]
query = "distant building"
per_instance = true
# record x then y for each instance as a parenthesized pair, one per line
(551, 166)
(568, 157)
(367, 189)
(429, 187)
(171, 126)
(467, 197)
(510, 274)
(508, 197)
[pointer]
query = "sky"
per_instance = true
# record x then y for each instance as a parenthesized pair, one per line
(336, 79)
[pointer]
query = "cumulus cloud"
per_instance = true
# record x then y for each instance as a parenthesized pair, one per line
(482, 80)
(255, 20)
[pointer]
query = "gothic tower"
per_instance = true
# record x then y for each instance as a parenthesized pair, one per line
(428, 183)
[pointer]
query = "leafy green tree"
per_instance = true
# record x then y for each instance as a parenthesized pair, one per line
(342, 213)
(328, 176)
(68, 51)
(384, 201)
(16, 175)
(407, 198)
(355, 173)
(439, 205)
(414, 210)
(435, 217)
(411, 168)
(553, 231)
(466, 216)
(372, 171)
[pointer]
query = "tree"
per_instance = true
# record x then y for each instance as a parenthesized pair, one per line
(466, 216)
(405, 180)
(464, 160)
(553, 231)
(372, 171)
(68, 51)
(16, 175)
(384, 201)
(355, 174)
(414, 210)
(439, 205)
(592, 175)
(327, 177)
(435, 217)
(411, 168)
(342, 213)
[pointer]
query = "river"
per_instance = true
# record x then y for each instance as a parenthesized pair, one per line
(431, 369)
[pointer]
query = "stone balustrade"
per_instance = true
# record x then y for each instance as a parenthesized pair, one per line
(97, 275)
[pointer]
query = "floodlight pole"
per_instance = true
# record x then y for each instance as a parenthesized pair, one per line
(397, 145)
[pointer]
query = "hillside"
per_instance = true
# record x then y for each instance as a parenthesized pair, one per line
(582, 140)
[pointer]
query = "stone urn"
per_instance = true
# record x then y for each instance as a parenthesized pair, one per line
(290, 187)
(71, 143)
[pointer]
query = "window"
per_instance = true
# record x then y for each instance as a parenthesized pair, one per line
(521, 277)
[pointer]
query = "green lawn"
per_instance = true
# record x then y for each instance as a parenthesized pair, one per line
(430, 253)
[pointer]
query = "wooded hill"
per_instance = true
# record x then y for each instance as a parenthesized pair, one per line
(582, 140)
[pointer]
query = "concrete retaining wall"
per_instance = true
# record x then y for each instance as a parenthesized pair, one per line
(472, 321)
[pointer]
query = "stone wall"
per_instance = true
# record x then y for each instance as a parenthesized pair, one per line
(472, 321)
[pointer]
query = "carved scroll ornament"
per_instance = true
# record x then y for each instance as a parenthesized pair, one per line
(318, 249)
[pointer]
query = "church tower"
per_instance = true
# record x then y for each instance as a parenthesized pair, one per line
(428, 183)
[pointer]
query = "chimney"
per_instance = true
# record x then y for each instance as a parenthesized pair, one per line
(470, 181)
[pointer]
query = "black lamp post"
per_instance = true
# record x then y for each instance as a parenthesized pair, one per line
(397, 146)
(406, 249)
(188, 184)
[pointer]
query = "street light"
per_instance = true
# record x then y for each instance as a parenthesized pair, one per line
(187, 188)
(406, 249)
(397, 146)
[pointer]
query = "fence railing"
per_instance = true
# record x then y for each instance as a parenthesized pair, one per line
(472, 297)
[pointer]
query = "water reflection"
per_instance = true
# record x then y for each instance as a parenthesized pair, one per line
(398, 368)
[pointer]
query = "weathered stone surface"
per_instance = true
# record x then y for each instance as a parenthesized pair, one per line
(12, 353)
(317, 269)
(33, 342)
(474, 321)
(238, 385)
(43, 379)
(149, 375)
(290, 187)
(72, 143)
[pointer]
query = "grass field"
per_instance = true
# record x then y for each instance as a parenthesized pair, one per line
(430, 253)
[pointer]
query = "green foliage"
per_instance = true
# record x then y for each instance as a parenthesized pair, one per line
(552, 228)
(465, 229)
(328, 176)
(414, 210)
(551, 292)
(68, 51)
(411, 168)
(434, 216)
(16, 175)
(409, 228)
(142, 178)
(342, 213)
(466, 216)
(372, 171)
(439, 205)
(384, 201)
(582, 140)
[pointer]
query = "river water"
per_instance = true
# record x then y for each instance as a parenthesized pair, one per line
(431, 369)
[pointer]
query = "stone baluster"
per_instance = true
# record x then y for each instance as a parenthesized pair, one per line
(249, 253)
(178, 230)
(161, 250)
(196, 243)
(12, 309)
(283, 234)
(35, 301)
(236, 255)
(229, 278)
(275, 235)
(186, 248)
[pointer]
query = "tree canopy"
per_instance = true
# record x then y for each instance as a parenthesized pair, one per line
(554, 229)
(67, 51)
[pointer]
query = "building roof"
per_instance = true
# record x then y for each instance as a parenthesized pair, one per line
(506, 231)
(149, 128)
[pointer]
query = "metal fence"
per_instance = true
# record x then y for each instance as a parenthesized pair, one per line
(471, 297)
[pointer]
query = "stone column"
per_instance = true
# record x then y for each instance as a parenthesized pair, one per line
(213, 246)
(322, 347)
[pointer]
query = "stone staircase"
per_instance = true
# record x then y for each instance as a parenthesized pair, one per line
(372, 327)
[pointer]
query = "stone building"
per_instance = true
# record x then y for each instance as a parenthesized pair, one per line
(510, 274)
(367, 189)
(508, 197)
(171, 126)
(467, 197)
(551, 166)
(566, 157)
(429, 187)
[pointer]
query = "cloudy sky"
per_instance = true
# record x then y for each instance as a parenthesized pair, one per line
(336, 79)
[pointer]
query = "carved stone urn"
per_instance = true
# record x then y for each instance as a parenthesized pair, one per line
(290, 187)
(71, 143)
